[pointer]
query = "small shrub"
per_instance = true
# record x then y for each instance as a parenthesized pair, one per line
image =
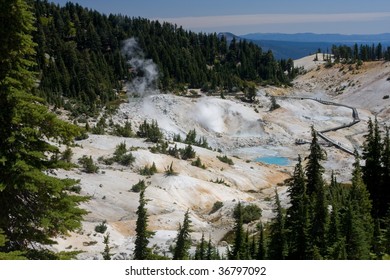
(148, 171)
(139, 186)
(220, 181)
(217, 205)
(198, 163)
(169, 171)
(102, 227)
(127, 159)
(249, 213)
(225, 159)
(88, 164)
(187, 153)
(124, 131)
(67, 155)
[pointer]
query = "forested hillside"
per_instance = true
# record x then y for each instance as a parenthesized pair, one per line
(79, 56)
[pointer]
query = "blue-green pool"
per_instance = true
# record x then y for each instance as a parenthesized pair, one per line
(282, 161)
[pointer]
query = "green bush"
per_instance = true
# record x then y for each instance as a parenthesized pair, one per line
(139, 186)
(101, 228)
(249, 213)
(148, 171)
(88, 164)
(187, 153)
(225, 159)
(124, 131)
(198, 163)
(216, 206)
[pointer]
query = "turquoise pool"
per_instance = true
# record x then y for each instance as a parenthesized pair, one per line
(282, 161)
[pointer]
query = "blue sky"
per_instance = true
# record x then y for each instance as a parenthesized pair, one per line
(250, 16)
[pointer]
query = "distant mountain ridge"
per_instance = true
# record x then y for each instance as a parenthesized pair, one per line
(299, 45)
(314, 37)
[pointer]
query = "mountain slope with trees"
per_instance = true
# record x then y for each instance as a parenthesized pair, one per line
(79, 57)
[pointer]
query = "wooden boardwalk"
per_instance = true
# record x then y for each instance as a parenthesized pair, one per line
(355, 120)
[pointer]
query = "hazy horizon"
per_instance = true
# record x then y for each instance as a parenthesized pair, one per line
(252, 16)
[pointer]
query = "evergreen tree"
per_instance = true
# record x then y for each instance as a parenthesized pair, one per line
(277, 247)
(261, 251)
(183, 239)
(239, 251)
(359, 223)
(201, 252)
(35, 206)
(385, 159)
(297, 221)
(141, 251)
(317, 194)
(372, 169)
(314, 169)
(106, 253)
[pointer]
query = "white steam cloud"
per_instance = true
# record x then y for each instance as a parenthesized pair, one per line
(145, 70)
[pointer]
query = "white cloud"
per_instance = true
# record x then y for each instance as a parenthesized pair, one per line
(267, 19)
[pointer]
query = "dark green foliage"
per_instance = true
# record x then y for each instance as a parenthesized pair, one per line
(261, 250)
(151, 131)
(191, 140)
(216, 206)
(376, 170)
(249, 213)
(198, 163)
(140, 186)
(88, 164)
(148, 171)
(183, 239)
(274, 105)
(121, 156)
(225, 159)
(359, 223)
(79, 57)
(278, 246)
(123, 131)
(298, 220)
(348, 54)
(141, 251)
(187, 153)
(201, 250)
(35, 207)
(101, 228)
(106, 253)
(100, 127)
(67, 155)
(240, 247)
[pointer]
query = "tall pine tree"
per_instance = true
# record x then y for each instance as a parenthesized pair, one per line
(35, 207)
(141, 251)
(278, 247)
(183, 239)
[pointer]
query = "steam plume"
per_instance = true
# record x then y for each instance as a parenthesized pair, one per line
(145, 70)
